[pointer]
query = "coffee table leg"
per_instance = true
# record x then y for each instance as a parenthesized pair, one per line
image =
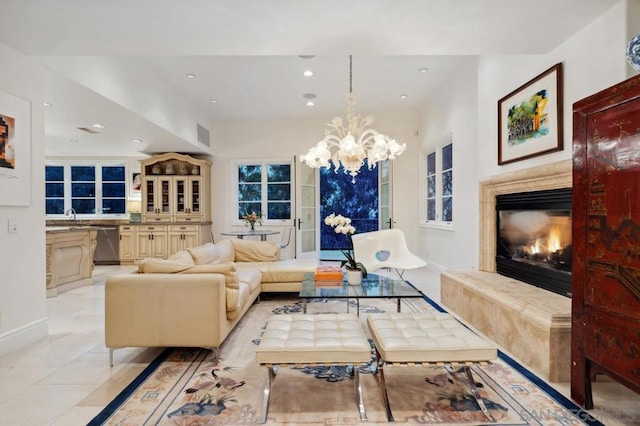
(399, 305)
(304, 306)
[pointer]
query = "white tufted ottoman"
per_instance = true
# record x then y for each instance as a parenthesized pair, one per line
(428, 338)
(323, 339)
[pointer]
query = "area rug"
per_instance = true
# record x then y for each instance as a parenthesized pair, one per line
(188, 386)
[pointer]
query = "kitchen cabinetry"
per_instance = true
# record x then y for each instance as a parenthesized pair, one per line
(182, 237)
(127, 244)
(151, 241)
(175, 189)
(605, 334)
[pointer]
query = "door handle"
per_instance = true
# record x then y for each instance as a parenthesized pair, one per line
(299, 222)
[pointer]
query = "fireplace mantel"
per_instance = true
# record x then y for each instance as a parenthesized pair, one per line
(550, 176)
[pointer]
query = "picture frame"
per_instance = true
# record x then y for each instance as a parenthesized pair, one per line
(15, 151)
(530, 118)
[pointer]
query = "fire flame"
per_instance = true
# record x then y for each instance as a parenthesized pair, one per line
(550, 244)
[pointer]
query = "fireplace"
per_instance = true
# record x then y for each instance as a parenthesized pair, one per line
(533, 238)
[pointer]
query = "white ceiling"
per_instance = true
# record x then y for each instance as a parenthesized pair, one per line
(245, 55)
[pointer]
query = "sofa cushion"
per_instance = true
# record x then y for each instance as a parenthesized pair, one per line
(161, 266)
(251, 277)
(205, 254)
(225, 249)
(236, 300)
(227, 269)
(255, 251)
(287, 271)
(182, 256)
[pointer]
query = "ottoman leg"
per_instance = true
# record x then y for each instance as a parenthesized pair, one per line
(473, 388)
(359, 399)
(383, 391)
(267, 394)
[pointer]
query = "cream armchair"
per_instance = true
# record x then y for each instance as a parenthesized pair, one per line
(386, 248)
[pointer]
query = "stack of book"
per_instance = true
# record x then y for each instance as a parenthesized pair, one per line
(328, 275)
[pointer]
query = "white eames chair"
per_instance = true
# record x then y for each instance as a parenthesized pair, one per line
(385, 249)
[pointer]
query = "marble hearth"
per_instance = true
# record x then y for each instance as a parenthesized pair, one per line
(532, 324)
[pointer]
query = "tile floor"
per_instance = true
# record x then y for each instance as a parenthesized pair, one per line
(66, 379)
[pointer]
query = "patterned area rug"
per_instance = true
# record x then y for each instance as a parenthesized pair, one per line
(187, 386)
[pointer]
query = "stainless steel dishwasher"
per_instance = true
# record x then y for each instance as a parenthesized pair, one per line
(107, 246)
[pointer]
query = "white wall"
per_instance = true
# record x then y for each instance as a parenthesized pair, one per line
(593, 59)
(23, 311)
(284, 139)
(453, 110)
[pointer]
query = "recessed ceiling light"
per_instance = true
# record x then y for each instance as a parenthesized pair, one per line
(310, 103)
(307, 73)
(423, 70)
(306, 56)
(97, 126)
(191, 75)
(309, 96)
(46, 104)
(214, 101)
(403, 96)
(136, 140)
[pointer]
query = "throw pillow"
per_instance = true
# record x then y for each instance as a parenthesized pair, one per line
(225, 248)
(182, 256)
(255, 251)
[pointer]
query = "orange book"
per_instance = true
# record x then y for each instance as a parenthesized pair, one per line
(328, 273)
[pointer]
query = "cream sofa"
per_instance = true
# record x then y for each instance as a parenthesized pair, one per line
(195, 297)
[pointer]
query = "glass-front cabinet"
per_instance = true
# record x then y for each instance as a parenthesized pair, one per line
(157, 198)
(175, 188)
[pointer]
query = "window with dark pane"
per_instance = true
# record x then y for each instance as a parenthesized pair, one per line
(447, 183)
(114, 190)
(431, 186)
(265, 189)
(54, 189)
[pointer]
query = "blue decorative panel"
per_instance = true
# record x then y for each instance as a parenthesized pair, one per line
(358, 201)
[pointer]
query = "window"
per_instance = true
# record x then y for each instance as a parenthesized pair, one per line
(264, 188)
(90, 189)
(439, 184)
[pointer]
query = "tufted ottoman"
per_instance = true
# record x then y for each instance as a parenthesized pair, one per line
(322, 339)
(428, 338)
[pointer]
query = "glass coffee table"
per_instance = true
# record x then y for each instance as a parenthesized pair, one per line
(372, 287)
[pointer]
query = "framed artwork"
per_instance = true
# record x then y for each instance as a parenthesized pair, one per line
(530, 118)
(15, 151)
(136, 182)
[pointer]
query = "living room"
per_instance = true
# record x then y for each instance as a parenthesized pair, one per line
(593, 58)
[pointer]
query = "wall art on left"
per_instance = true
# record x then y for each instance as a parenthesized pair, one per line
(15, 151)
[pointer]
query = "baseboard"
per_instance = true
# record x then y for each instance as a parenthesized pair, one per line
(20, 337)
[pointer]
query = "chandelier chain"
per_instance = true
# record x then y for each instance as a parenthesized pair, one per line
(350, 74)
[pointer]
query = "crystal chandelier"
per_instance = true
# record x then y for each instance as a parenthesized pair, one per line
(349, 145)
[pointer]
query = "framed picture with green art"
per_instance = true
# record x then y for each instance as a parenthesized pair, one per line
(530, 118)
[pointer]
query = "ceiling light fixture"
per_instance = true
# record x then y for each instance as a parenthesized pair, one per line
(214, 101)
(307, 73)
(310, 103)
(136, 140)
(97, 126)
(423, 70)
(191, 75)
(351, 144)
(46, 104)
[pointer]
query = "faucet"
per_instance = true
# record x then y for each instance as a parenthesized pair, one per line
(70, 212)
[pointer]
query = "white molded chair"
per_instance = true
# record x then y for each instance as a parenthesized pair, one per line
(386, 248)
(286, 238)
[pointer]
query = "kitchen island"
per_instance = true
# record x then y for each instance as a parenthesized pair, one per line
(70, 251)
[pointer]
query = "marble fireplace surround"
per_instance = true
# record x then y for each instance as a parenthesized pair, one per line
(530, 323)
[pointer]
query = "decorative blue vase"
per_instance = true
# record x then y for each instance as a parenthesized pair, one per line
(633, 52)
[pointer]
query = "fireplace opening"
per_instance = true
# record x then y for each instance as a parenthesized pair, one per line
(533, 241)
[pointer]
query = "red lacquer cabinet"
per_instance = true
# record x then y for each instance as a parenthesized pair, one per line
(605, 332)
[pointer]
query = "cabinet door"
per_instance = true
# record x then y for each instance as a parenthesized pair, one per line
(175, 243)
(187, 198)
(127, 244)
(190, 239)
(159, 245)
(143, 244)
(157, 198)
